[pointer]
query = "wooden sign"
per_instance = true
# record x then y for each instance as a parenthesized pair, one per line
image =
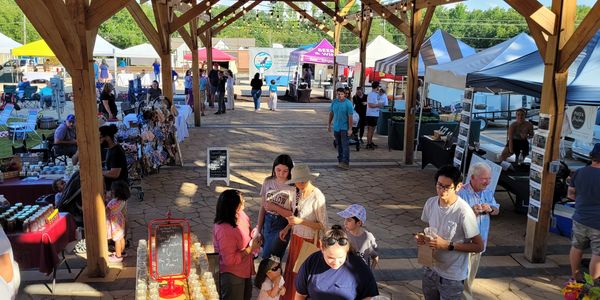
(217, 164)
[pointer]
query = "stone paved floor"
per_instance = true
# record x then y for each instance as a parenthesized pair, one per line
(392, 192)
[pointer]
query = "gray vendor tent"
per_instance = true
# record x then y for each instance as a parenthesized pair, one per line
(525, 75)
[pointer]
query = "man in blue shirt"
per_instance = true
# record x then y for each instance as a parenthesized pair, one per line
(340, 113)
(156, 67)
(22, 86)
(482, 200)
(585, 189)
(65, 138)
(46, 96)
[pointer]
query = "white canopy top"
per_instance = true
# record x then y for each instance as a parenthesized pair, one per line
(104, 48)
(376, 49)
(454, 73)
(139, 51)
(221, 45)
(7, 43)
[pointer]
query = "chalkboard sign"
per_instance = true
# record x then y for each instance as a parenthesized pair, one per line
(217, 165)
(169, 250)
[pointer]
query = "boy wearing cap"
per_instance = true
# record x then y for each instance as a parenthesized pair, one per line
(585, 188)
(65, 140)
(362, 241)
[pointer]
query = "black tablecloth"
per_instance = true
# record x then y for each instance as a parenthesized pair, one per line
(516, 181)
(436, 153)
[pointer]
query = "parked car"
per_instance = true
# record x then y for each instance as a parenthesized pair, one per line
(581, 149)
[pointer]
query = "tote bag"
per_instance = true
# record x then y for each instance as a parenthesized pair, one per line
(307, 249)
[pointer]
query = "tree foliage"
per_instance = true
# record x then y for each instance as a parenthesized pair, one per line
(281, 24)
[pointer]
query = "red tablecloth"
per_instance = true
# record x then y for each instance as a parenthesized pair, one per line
(40, 249)
(25, 191)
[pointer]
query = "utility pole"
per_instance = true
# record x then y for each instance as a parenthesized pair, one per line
(24, 30)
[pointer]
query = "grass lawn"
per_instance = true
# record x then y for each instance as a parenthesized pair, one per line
(32, 140)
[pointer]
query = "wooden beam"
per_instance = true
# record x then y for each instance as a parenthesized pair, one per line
(187, 38)
(537, 12)
(144, 23)
(554, 91)
(365, 28)
(198, 103)
(388, 16)
(162, 24)
(235, 17)
(336, 16)
(310, 18)
(100, 10)
(422, 31)
(195, 11)
(583, 34)
(539, 37)
(220, 16)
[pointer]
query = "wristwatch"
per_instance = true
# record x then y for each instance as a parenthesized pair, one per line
(451, 246)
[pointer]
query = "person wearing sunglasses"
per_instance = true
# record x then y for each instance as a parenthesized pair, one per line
(310, 215)
(457, 236)
(335, 272)
(269, 279)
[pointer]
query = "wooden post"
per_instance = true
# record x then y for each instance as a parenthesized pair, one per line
(365, 28)
(196, 74)
(413, 86)
(73, 42)
(554, 90)
(336, 45)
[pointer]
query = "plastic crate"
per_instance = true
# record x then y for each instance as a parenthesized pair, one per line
(562, 222)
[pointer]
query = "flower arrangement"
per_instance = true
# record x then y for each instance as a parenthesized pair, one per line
(587, 290)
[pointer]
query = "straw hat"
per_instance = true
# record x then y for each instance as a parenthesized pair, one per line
(301, 173)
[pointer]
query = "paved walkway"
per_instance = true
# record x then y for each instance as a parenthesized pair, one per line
(393, 193)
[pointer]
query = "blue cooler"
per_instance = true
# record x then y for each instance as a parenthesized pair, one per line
(562, 221)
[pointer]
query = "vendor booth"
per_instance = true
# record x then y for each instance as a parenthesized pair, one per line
(320, 53)
(439, 48)
(6, 44)
(378, 48)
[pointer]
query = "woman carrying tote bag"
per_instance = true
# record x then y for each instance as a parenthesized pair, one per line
(310, 217)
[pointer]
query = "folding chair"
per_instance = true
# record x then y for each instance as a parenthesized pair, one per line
(27, 127)
(8, 95)
(28, 98)
(19, 149)
(5, 115)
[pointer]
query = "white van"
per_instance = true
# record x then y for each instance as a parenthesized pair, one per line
(9, 70)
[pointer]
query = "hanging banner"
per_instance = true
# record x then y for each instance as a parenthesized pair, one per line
(581, 120)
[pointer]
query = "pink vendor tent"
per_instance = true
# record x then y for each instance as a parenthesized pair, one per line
(321, 53)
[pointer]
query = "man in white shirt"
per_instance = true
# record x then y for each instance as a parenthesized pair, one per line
(457, 236)
(374, 103)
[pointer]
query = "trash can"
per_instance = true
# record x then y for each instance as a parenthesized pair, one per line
(328, 93)
(304, 95)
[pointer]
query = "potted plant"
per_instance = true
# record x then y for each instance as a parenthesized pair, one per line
(587, 290)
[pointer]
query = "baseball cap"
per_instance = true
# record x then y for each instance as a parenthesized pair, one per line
(595, 154)
(71, 118)
(354, 210)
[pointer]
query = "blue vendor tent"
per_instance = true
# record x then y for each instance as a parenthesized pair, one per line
(525, 75)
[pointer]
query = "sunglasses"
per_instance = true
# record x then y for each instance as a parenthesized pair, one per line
(275, 268)
(330, 241)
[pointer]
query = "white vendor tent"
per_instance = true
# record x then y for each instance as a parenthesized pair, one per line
(104, 48)
(378, 48)
(6, 44)
(139, 51)
(454, 73)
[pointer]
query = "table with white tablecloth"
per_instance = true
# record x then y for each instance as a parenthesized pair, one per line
(183, 113)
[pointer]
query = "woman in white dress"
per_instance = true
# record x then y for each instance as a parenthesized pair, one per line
(229, 87)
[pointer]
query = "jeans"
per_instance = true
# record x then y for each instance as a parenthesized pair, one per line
(272, 245)
(47, 100)
(157, 76)
(256, 96)
(439, 288)
(235, 288)
(343, 146)
(221, 101)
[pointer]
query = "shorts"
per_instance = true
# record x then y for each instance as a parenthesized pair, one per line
(586, 237)
(372, 121)
(520, 146)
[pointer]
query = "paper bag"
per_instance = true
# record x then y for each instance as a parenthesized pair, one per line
(425, 255)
